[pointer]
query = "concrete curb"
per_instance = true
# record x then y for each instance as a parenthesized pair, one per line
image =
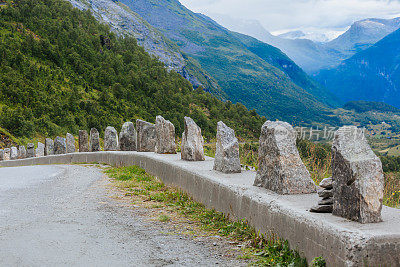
(341, 242)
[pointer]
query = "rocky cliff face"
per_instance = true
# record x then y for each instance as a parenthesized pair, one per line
(124, 22)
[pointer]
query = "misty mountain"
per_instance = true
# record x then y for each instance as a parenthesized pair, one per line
(372, 74)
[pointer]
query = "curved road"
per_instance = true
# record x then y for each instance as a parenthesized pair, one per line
(64, 216)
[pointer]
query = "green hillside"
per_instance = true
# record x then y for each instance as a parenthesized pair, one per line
(61, 70)
(242, 74)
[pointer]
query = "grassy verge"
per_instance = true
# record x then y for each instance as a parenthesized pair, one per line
(262, 250)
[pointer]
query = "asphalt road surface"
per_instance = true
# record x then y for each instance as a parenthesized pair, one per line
(64, 216)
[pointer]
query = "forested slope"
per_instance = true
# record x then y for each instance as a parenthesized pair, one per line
(61, 70)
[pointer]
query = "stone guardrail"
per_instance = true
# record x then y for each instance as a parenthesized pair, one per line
(341, 242)
(282, 182)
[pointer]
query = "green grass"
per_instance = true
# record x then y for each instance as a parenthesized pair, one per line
(264, 250)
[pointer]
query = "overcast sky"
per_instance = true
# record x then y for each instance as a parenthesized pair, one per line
(284, 15)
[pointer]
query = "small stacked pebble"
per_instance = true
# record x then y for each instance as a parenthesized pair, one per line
(326, 204)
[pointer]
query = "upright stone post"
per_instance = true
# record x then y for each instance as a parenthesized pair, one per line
(7, 154)
(48, 147)
(83, 141)
(94, 142)
(40, 150)
(70, 140)
(1, 154)
(165, 130)
(21, 152)
(13, 153)
(60, 146)
(357, 175)
(110, 139)
(127, 137)
(192, 142)
(280, 168)
(30, 150)
(227, 159)
(146, 136)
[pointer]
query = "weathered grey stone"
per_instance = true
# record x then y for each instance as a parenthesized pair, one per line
(7, 154)
(327, 183)
(192, 142)
(83, 141)
(70, 140)
(48, 147)
(111, 139)
(357, 174)
(127, 137)
(30, 150)
(13, 153)
(146, 136)
(94, 141)
(322, 209)
(325, 193)
(60, 145)
(21, 152)
(40, 150)
(1, 154)
(165, 132)
(227, 157)
(280, 167)
(326, 201)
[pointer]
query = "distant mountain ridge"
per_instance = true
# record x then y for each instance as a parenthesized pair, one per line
(314, 56)
(243, 75)
(372, 74)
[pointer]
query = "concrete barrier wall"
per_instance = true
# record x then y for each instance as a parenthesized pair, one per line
(339, 241)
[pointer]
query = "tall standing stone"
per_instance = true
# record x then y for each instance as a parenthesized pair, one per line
(94, 141)
(357, 175)
(165, 131)
(192, 142)
(146, 136)
(60, 146)
(30, 150)
(127, 137)
(110, 139)
(13, 153)
(1, 154)
(227, 157)
(21, 152)
(40, 150)
(83, 141)
(70, 140)
(48, 147)
(7, 154)
(280, 168)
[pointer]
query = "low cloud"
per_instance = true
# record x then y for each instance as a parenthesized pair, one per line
(279, 15)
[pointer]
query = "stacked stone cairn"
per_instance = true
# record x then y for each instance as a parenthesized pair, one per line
(192, 142)
(146, 136)
(165, 140)
(325, 205)
(280, 167)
